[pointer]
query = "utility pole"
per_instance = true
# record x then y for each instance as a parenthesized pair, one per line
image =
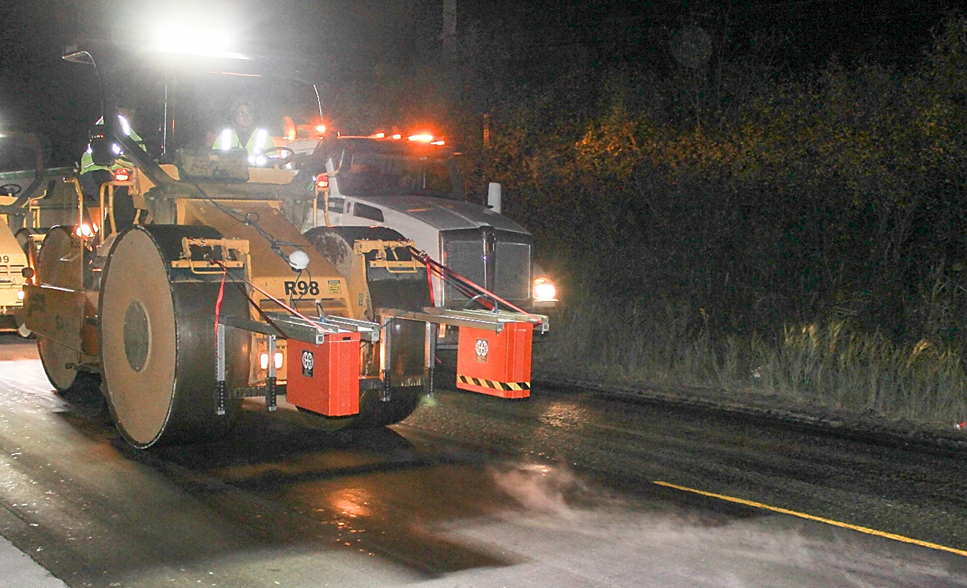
(450, 29)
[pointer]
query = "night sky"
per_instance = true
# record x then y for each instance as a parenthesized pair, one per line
(354, 40)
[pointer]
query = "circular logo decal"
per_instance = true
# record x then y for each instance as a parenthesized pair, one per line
(307, 363)
(482, 348)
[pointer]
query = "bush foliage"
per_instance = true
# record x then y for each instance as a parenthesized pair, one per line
(734, 227)
(734, 223)
(764, 200)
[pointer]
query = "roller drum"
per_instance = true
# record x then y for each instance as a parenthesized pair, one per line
(157, 341)
(60, 264)
(375, 413)
(386, 289)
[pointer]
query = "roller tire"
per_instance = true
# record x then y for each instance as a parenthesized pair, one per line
(18, 322)
(373, 412)
(158, 345)
(54, 358)
(56, 267)
(23, 239)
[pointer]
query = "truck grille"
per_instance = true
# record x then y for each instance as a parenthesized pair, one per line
(11, 275)
(497, 260)
(512, 272)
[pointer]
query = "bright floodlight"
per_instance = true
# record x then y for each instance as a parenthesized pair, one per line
(187, 39)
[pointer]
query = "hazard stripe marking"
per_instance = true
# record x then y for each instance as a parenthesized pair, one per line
(504, 386)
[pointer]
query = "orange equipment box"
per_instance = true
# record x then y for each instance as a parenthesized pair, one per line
(498, 364)
(324, 378)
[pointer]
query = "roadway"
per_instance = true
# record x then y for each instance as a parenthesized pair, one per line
(568, 488)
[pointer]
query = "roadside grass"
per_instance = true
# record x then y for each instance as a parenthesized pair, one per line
(827, 365)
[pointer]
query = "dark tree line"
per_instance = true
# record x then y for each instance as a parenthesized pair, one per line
(718, 174)
(759, 196)
(734, 173)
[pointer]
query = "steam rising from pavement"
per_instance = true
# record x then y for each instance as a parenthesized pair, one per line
(538, 488)
(635, 545)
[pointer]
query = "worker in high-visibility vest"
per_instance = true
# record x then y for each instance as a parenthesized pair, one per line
(92, 175)
(244, 134)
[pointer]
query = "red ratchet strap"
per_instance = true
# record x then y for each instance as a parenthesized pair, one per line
(221, 296)
(445, 272)
(429, 281)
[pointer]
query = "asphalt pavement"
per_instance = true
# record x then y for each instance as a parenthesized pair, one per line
(17, 569)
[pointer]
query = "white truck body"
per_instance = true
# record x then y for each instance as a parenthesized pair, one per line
(414, 189)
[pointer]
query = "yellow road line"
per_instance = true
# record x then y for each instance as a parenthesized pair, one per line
(785, 511)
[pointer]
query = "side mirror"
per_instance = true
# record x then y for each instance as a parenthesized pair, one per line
(493, 197)
(102, 149)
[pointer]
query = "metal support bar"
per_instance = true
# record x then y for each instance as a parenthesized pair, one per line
(221, 394)
(478, 319)
(313, 331)
(270, 390)
(385, 356)
(430, 366)
(255, 391)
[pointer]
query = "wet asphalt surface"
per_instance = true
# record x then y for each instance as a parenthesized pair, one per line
(557, 490)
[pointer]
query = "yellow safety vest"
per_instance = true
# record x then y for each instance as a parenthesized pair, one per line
(87, 159)
(257, 145)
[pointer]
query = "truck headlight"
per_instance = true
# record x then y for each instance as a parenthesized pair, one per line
(20, 295)
(544, 290)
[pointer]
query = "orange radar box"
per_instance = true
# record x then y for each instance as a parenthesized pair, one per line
(324, 378)
(498, 364)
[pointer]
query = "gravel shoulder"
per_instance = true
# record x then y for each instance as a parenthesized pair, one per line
(756, 403)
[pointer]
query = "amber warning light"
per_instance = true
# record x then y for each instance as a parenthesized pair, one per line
(417, 138)
(85, 230)
(426, 138)
(122, 174)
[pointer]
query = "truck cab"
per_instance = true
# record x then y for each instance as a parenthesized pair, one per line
(411, 184)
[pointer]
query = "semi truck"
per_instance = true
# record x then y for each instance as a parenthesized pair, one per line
(214, 297)
(411, 184)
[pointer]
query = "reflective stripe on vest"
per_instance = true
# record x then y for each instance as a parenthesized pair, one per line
(225, 142)
(87, 160)
(261, 136)
(125, 125)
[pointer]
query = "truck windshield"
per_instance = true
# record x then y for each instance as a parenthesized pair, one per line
(391, 174)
